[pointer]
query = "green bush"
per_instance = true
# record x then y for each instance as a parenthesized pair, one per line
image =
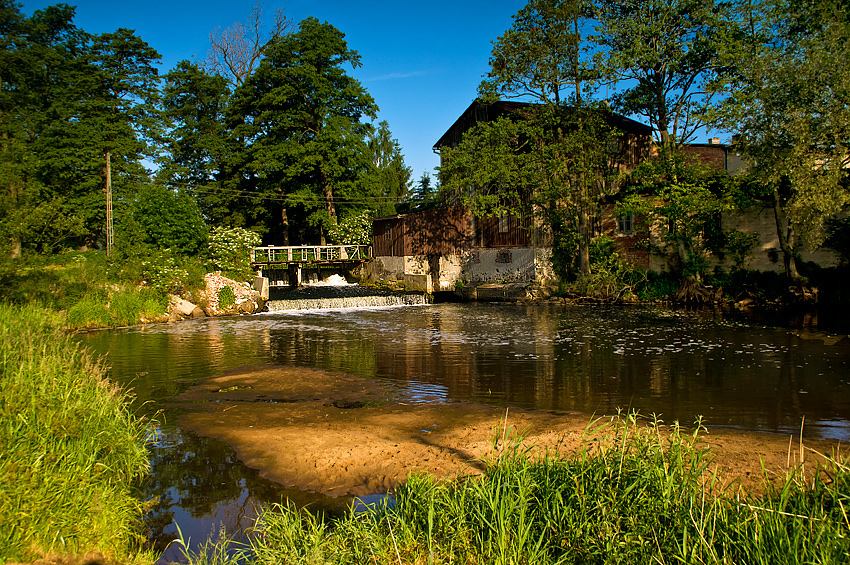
(163, 272)
(226, 297)
(71, 453)
(169, 219)
(355, 229)
(611, 277)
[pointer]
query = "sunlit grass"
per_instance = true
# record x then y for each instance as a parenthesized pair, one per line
(71, 450)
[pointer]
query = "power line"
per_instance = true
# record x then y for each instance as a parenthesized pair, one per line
(241, 193)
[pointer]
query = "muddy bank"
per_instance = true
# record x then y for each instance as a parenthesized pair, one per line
(338, 434)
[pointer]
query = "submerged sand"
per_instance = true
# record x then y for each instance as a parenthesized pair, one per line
(339, 434)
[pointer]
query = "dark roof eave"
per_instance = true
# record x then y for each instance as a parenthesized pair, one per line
(617, 120)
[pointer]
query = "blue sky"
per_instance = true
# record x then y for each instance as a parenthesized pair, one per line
(421, 61)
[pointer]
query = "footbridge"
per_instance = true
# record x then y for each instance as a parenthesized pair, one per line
(283, 266)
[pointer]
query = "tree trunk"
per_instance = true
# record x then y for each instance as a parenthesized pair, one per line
(284, 221)
(584, 237)
(329, 199)
(786, 238)
(14, 238)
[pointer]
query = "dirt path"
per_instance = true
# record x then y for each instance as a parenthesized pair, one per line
(340, 434)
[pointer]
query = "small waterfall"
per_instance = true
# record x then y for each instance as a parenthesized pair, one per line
(335, 292)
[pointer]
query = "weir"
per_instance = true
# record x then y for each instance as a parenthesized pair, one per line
(335, 292)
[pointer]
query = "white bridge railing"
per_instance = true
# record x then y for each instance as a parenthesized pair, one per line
(310, 254)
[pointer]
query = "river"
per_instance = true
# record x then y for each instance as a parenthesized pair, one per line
(593, 359)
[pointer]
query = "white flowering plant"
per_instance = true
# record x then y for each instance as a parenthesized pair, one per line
(162, 271)
(230, 250)
(355, 229)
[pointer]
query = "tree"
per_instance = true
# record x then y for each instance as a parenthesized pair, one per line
(557, 161)
(36, 56)
(661, 51)
(786, 90)
(169, 219)
(542, 54)
(102, 103)
(195, 103)
(203, 154)
(681, 201)
(387, 178)
(300, 115)
(424, 190)
(67, 101)
(554, 155)
(236, 51)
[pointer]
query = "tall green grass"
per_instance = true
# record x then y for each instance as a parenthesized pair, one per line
(116, 307)
(70, 451)
(636, 493)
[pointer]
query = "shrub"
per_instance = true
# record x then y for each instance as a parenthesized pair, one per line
(163, 272)
(610, 277)
(226, 297)
(230, 249)
(355, 229)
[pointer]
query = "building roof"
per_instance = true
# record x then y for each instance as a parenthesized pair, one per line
(480, 112)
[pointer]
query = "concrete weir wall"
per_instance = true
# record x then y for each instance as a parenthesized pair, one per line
(442, 273)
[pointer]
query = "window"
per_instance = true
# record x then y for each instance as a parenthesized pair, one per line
(503, 224)
(625, 224)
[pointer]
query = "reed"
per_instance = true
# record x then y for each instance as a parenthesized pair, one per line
(638, 492)
(71, 450)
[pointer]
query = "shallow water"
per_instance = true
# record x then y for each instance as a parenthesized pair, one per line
(591, 359)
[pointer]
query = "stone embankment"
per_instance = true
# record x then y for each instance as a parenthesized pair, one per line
(246, 300)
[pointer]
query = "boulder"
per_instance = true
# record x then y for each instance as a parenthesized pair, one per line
(183, 307)
(242, 291)
(180, 309)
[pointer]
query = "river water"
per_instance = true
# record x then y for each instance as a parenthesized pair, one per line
(591, 359)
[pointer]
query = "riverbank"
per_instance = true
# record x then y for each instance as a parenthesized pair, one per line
(72, 453)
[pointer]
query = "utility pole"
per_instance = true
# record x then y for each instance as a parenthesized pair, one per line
(110, 236)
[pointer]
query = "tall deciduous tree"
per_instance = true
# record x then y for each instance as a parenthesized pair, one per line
(787, 93)
(659, 52)
(559, 160)
(204, 156)
(544, 54)
(36, 87)
(236, 51)
(300, 115)
(68, 99)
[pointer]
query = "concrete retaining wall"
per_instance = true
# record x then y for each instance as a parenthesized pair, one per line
(442, 273)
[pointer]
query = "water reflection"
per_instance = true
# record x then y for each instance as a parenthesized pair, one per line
(588, 359)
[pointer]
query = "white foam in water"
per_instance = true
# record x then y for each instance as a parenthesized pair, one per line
(333, 280)
(347, 302)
